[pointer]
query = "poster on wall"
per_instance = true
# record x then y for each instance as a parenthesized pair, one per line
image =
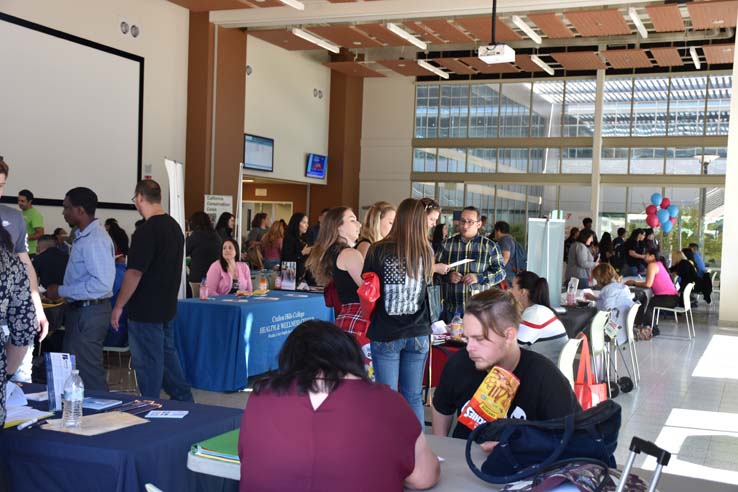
(216, 205)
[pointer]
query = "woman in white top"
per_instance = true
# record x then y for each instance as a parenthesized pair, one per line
(540, 329)
(613, 295)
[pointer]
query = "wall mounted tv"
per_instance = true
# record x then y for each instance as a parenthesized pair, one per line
(258, 153)
(317, 166)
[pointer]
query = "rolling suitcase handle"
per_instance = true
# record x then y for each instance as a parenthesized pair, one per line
(662, 459)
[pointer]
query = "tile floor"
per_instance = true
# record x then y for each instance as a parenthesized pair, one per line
(686, 401)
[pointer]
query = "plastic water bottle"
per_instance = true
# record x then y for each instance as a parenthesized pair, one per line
(571, 291)
(457, 326)
(74, 393)
(203, 289)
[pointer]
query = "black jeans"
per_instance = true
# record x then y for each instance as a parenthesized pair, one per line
(646, 312)
(86, 328)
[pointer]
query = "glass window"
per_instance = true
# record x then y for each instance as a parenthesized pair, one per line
(575, 199)
(451, 160)
(426, 111)
(542, 200)
(451, 195)
(719, 93)
(638, 199)
(515, 110)
(712, 236)
(614, 160)
(481, 196)
(612, 209)
(424, 160)
(484, 110)
(647, 160)
(545, 160)
(512, 161)
(546, 108)
(683, 160)
(576, 160)
(717, 164)
(616, 107)
(579, 106)
(423, 189)
(482, 161)
(650, 96)
(687, 105)
(686, 229)
(511, 207)
(454, 112)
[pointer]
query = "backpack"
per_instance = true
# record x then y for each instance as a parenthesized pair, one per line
(519, 258)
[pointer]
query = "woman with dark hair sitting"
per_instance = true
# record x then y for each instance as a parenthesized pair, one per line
(685, 269)
(607, 252)
(635, 249)
(613, 295)
(227, 275)
(294, 247)
(581, 262)
(318, 423)
(202, 246)
(659, 281)
(540, 329)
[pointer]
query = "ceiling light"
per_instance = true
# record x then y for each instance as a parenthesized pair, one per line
(633, 14)
(316, 40)
(520, 23)
(695, 57)
(433, 69)
(406, 35)
(295, 4)
(545, 66)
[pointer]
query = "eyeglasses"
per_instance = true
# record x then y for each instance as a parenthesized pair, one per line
(133, 200)
(468, 222)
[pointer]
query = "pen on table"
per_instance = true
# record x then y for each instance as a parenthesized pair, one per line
(27, 423)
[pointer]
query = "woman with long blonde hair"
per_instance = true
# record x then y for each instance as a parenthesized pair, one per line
(271, 245)
(377, 224)
(400, 326)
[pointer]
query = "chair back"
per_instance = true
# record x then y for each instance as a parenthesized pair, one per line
(566, 359)
(597, 331)
(630, 321)
(195, 286)
(686, 296)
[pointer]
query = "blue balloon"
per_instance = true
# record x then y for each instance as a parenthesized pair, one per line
(666, 227)
(673, 210)
(656, 199)
(663, 216)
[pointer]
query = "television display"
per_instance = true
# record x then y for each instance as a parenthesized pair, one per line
(258, 153)
(317, 165)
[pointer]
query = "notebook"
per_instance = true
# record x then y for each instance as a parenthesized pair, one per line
(222, 448)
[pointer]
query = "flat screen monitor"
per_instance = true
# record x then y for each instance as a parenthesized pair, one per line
(317, 165)
(258, 153)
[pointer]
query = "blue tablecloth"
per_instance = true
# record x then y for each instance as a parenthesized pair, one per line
(119, 461)
(226, 340)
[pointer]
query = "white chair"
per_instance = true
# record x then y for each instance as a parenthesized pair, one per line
(630, 330)
(120, 351)
(686, 311)
(566, 359)
(599, 347)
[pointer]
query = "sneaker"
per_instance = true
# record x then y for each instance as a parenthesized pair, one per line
(655, 331)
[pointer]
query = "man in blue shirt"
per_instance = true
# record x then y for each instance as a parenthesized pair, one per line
(698, 261)
(88, 285)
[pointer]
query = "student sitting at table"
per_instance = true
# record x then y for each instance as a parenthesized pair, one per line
(613, 295)
(540, 329)
(659, 281)
(318, 423)
(226, 275)
(491, 324)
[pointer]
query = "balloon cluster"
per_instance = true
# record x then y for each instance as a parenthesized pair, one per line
(661, 213)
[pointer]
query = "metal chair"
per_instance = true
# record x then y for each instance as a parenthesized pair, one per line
(566, 359)
(120, 351)
(686, 311)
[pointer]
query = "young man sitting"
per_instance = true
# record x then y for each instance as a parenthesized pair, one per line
(491, 322)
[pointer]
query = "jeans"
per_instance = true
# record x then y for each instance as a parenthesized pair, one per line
(403, 361)
(155, 360)
(85, 332)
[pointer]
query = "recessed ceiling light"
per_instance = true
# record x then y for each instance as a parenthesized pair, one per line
(718, 21)
(400, 64)
(357, 43)
(727, 50)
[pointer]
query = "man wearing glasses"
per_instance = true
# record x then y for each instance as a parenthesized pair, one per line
(484, 271)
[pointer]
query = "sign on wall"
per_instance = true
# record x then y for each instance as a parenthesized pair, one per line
(217, 204)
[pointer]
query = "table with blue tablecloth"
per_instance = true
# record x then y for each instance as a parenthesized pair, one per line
(118, 461)
(224, 341)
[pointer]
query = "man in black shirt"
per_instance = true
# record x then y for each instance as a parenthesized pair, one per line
(150, 288)
(490, 324)
(50, 262)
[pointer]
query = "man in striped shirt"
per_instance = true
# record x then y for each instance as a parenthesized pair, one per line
(485, 270)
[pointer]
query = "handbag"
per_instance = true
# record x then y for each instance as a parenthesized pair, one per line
(526, 448)
(368, 292)
(434, 302)
(589, 393)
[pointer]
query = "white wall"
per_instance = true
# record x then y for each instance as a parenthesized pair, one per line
(164, 45)
(280, 105)
(386, 140)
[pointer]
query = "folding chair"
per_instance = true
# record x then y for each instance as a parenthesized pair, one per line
(599, 347)
(686, 311)
(566, 359)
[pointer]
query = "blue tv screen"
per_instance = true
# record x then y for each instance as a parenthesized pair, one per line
(258, 153)
(317, 165)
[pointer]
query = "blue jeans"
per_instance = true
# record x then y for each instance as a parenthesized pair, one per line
(155, 360)
(403, 361)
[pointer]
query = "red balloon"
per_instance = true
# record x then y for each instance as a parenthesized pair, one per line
(653, 221)
(665, 203)
(651, 210)
(673, 220)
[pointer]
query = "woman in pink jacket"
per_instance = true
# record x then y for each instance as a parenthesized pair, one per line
(226, 275)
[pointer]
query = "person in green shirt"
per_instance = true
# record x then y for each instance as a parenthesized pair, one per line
(33, 218)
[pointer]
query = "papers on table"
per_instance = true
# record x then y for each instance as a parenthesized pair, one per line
(100, 403)
(58, 368)
(99, 423)
(40, 396)
(14, 396)
(18, 415)
(460, 262)
(166, 414)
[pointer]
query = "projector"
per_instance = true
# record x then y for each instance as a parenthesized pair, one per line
(496, 53)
